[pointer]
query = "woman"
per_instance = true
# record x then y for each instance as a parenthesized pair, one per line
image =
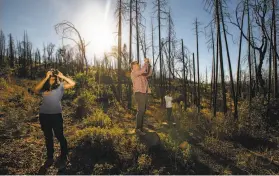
(51, 111)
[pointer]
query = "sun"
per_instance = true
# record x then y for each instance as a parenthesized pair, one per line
(97, 29)
(99, 37)
(102, 39)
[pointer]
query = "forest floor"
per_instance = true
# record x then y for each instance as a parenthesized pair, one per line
(116, 151)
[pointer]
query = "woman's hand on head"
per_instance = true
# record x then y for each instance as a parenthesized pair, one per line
(48, 74)
(60, 75)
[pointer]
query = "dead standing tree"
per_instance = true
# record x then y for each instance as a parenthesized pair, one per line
(222, 13)
(119, 55)
(140, 6)
(68, 31)
(171, 47)
(2, 48)
(160, 6)
(50, 51)
(11, 51)
(145, 46)
(259, 11)
(121, 12)
(238, 64)
(130, 50)
(198, 63)
(216, 6)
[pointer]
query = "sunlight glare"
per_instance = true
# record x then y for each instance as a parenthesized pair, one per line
(96, 28)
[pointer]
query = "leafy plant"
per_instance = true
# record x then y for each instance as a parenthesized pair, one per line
(98, 119)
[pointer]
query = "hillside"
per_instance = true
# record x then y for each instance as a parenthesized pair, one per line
(101, 143)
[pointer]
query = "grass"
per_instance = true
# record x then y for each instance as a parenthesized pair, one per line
(99, 143)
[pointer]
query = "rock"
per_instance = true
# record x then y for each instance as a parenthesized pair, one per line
(151, 139)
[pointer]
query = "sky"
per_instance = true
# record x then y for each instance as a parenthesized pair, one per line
(97, 23)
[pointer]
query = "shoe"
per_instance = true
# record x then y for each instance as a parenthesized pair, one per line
(48, 162)
(62, 162)
(43, 169)
(174, 123)
(140, 132)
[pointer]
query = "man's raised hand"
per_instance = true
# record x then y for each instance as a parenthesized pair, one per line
(146, 60)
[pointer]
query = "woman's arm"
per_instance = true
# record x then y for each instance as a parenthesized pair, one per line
(39, 86)
(70, 83)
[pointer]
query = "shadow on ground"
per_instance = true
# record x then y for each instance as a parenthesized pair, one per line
(253, 143)
(87, 154)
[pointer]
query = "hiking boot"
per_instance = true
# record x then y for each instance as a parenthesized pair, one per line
(62, 162)
(48, 162)
(45, 166)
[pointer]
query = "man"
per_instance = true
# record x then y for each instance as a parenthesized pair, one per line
(168, 100)
(141, 90)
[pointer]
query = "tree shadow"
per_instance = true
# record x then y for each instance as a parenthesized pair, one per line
(200, 167)
(176, 164)
(91, 153)
(218, 158)
(169, 160)
(253, 143)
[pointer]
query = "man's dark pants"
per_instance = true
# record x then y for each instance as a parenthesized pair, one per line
(49, 123)
(169, 114)
(141, 99)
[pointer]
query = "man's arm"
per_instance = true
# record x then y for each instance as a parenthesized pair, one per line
(141, 71)
(150, 71)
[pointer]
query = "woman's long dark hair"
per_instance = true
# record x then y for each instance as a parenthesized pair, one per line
(48, 87)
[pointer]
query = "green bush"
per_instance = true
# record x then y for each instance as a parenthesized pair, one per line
(83, 80)
(103, 169)
(69, 94)
(252, 123)
(95, 133)
(124, 150)
(85, 103)
(3, 84)
(144, 162)
(13, 124)
(98, 119)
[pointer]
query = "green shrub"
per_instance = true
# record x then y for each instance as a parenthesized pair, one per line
(96, 133)
(144, 162)
(103, 169)
(69, 94)
(3, 84)
(83, 80)
(126, 149)
(13, 124)
(252, 123)
(98, 119)
(85, 102)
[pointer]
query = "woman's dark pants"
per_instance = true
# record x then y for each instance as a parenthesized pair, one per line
(53, 123)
